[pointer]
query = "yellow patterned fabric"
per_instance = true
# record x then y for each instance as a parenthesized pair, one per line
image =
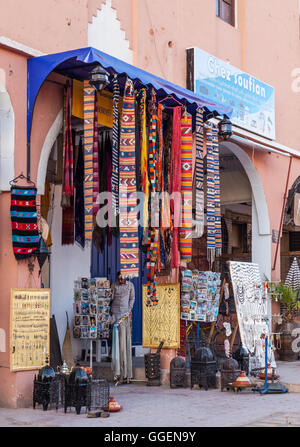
(162, 322)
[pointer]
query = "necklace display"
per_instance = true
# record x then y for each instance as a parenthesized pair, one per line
(252, 309)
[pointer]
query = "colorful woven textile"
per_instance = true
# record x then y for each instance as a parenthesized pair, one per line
(214, 230)
(68, 187)
(185, 238)
(199, 175)
(95, 159)
(153, 239)
(88, 110)
(79, 201)
(144, 159)
(218, 224)
(129, 251)
(175, 180)
(211, 236)
(25, 234)
(115, 148)
(68, 218)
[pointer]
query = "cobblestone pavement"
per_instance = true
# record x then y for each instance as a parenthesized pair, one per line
(163, 407)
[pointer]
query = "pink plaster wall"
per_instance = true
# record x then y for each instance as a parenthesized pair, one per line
(49, 26)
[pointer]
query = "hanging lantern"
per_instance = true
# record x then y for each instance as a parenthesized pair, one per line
(99, 78)
(225, 128)
(42, 253)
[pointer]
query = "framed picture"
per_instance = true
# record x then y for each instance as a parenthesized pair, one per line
(85, 320)
(85, 308)
(93, 320)
(77, 332)
(77, 320)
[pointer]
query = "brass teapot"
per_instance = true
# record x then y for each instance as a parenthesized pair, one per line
(64, 369)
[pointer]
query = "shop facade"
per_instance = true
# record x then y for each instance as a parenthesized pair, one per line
(264, 169)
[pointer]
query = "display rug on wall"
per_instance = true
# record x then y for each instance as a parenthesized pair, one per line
(252, 309)
(129, 250)
(23, 212)
(162, 322)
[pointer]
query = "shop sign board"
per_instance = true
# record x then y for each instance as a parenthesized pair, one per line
(29, 328)
(252, 101)
(162, 322)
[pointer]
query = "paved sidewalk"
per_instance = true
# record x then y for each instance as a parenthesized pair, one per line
(163, 407)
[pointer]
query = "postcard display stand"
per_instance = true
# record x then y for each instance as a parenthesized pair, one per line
(200, 296)
(92, 298)
(252, 307)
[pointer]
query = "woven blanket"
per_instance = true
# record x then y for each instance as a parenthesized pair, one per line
(185, 235)
(211, 235)
(88, 111)
(25, 234)
(199, 176)
(129, 250)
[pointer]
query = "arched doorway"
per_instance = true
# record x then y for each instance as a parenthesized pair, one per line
(261, 234)
(7, 139)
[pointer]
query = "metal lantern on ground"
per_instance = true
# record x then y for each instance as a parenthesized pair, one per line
(177, 372)
(241, 355)
(229, 372)
(77, 389)
(152, 367)
(225, 128)
(99, 78)
(46, 387)
(203, 369)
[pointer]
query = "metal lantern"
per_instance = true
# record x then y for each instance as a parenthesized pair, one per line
(241, 355)
(177, 372)
(229, 372)
(76, 389)
(152, 367)
(46, 387)
(203, 369)
(225, 128)
(99, 78)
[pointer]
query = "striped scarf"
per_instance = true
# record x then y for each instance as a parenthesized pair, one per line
(175, 177)
(218, 226)
(96, 205)
(214, 231)
(153, 238)
(199, 175)
(68, 185)
(144, 160)
(88, 111)
(185, 238)
(115, 148)
(129, 250)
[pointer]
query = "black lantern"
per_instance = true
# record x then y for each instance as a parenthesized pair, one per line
(225, 128)
(177, 373)
(99, 78)
(229, 372)
(152, 367)
(46, 387)
(77, 389)
(42, 253)
(241, 355)
(203, 369)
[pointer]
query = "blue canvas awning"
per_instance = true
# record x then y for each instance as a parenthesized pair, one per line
(79, 63)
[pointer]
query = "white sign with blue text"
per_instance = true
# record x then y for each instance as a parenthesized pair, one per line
(252, 101)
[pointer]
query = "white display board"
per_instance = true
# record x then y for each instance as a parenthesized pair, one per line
(253, 311)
